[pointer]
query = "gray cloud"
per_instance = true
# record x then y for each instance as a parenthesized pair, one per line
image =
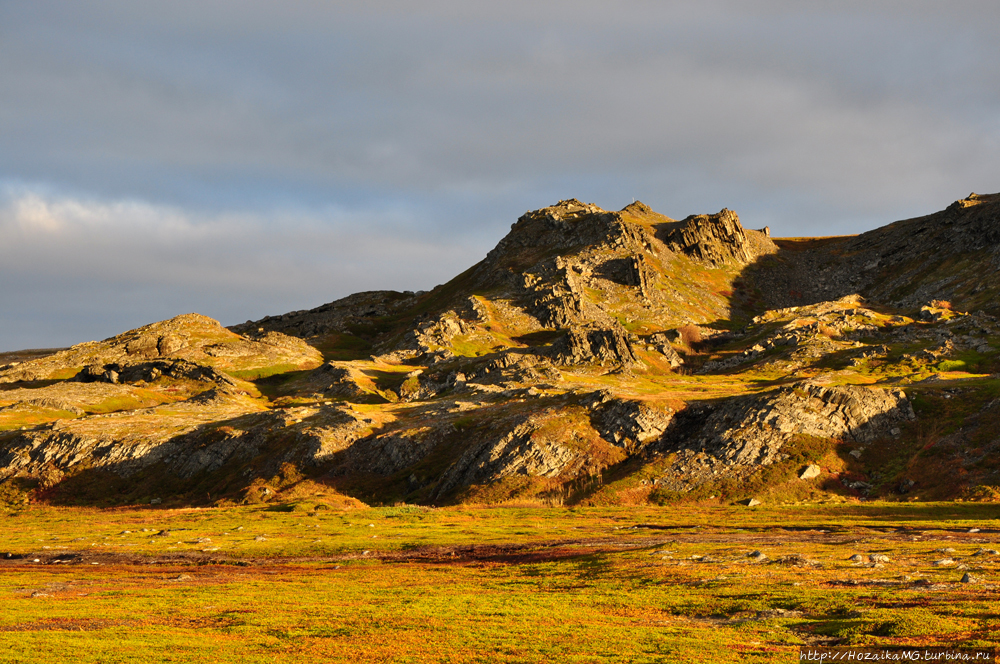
(308, 149)
(82, 268)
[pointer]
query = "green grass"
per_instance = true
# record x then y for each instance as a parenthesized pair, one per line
(263, 372)
(471, 346)
(343, 347)
(14, 420)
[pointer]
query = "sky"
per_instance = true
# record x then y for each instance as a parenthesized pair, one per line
(243, 159)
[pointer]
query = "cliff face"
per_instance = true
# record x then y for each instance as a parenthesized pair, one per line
(592, 356)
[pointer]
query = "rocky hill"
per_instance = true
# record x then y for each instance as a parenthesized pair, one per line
(591, 357)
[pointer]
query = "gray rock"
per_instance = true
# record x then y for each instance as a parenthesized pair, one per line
(602, 345)
(661, 344)
(857, 485)
(506, 453)
(809, 472)
(797, 560)
(626, 423)
(718, 239)
(751, 430)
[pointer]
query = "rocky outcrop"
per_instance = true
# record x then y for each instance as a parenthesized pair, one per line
(190, 337)
(122, 443)
(718, 239)
(506, 453)
(556, 294)
(511, 369)
(342, 380)
(430, 339)
(33, 403)
(627, 423)
(661, 344)
(751, 430)
(337, 316)
(328, 431)
(951, 255)
(492, 376)
(734, 438)
(186, 440)
(149, 371)
(603, 345)
(75, 398)
(627, 271)
(389, 452)
(567, 225)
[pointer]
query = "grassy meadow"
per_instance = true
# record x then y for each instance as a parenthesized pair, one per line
(304, 582)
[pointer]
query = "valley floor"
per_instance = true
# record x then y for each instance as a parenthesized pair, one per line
(684, 583)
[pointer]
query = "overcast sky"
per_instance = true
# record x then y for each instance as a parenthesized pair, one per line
(247, 158)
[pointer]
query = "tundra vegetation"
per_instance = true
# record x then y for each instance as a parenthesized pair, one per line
(301, 582)
(619, 437)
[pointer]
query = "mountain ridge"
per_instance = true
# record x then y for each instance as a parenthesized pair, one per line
(591, 356)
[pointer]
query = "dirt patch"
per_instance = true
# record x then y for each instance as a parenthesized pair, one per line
(67, 625)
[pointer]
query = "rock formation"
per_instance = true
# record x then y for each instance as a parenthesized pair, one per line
(592, 356)
(718, 239)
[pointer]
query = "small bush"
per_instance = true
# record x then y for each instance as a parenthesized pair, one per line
(982, 493)
(690, 335)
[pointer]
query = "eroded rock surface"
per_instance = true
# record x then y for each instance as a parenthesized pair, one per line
(741, 434)
(608, 345)
(715, 238)
(517, 451)
(628, 423)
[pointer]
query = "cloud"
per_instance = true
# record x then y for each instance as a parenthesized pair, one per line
(126, 263)
(258, 157)
(865, 106)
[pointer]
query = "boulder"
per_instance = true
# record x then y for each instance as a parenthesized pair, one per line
(809, 472)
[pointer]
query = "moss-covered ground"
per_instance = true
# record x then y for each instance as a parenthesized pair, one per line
(306, 582)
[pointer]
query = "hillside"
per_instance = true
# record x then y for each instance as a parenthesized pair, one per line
(592, 357)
